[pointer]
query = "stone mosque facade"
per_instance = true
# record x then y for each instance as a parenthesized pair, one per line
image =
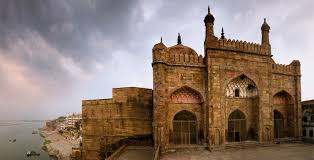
(235, 93)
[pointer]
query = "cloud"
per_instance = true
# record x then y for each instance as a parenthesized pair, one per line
(53, 54)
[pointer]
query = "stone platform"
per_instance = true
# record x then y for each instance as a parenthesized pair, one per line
(293, 151)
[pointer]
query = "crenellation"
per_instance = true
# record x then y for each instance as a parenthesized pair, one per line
(242, 46)
(177, 58)
(209, 92)
(289, 69)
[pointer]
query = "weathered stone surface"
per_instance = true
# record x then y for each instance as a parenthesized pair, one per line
(225, 60)
(105, 121)
(233, 77)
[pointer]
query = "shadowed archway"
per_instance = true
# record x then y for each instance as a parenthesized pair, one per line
(237, 126)
(184, 128)
(283, 115)
(278, 124)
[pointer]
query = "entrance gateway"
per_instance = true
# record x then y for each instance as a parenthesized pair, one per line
(237, 126)
(184, 128)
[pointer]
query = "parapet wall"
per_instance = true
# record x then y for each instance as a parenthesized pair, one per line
(97, 102)
(106, 121)
(290, 69)
(242, 46)
(164, 56)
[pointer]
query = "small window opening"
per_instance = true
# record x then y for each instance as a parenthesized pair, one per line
(237, 93)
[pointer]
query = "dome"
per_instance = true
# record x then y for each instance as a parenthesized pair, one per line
(181, 49)
(209, 17)
(265, 26)
(159, 46)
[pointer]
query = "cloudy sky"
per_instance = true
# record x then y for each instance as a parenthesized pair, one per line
(54, 53)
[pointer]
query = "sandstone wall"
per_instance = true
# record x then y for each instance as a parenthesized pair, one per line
(223, 67)
(171, 72)
(287, 78)
(105, 121)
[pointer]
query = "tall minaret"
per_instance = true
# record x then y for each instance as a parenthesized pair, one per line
(265, 37)
(209, 24)
(265, 32)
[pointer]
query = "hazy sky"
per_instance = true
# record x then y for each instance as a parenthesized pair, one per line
(54, 53)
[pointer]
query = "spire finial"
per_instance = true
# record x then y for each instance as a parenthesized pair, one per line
(208, 9)
(222, 33)
(161, 39)
(179, 38)
(265, 26)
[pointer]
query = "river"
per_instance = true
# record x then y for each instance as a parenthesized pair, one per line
(25, 140)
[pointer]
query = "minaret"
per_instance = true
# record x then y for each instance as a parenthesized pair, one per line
(209, 24)
(222, 33)
(265, 32)
(179, 39)
(265, 37)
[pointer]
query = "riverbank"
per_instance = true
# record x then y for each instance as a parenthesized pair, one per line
(25, 140)
(58, 145)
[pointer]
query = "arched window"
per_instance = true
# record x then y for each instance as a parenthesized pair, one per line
(242, 87)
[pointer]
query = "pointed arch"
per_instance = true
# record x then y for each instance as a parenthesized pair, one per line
(241, 86)
(283, 103)
(186, 94)
(184, 128)
(237, 126)
(236, 114)
(282, 98)
(184, 115)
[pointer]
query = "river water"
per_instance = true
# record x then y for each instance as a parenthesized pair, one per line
(25, 140)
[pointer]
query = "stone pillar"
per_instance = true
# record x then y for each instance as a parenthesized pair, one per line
(298, 118)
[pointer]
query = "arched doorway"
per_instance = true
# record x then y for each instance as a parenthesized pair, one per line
(278, 124)
(237, 127)
(243, 91)
(184, 128)
(283, 104)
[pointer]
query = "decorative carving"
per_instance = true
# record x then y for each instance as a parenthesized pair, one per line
(241, 87)
(185, 95)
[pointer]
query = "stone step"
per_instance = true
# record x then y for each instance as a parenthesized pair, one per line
(247, 145)
(179, 148)
(287, 140)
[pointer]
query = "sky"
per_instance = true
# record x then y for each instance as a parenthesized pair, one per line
(55, 53)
